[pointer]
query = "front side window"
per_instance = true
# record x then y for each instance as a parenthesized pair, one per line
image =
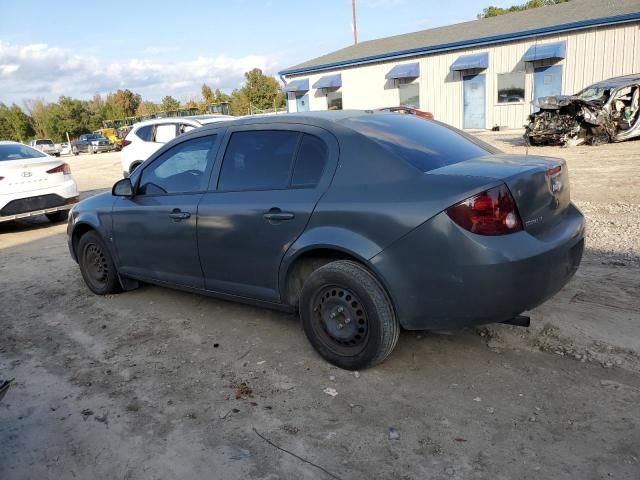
(334, 101)
(409, 95)
(181, 169)
(258, 160)
(165, 132)
(511, 87)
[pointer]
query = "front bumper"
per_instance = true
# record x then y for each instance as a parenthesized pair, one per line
(442, 277)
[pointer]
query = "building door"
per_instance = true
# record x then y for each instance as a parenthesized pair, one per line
(302, 103)
(547, 81)
(474, 101)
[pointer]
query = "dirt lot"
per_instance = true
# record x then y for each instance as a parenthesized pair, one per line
(149, 384)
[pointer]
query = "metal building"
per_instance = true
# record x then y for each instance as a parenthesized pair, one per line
(477, 74)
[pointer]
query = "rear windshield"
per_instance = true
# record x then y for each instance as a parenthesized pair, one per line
(425, 144)
(44, 142)
(14, 151)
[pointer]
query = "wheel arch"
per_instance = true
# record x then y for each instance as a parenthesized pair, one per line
(297, 267)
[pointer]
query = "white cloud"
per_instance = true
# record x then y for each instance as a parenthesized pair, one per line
(39, 70)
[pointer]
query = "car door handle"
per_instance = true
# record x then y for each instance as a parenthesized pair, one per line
(277, 215)
(178, 215)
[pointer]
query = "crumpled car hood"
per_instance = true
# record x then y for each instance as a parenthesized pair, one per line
(558, 101)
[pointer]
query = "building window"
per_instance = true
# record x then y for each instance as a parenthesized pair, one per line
(409, 95)
(511, 87)
(334, 101)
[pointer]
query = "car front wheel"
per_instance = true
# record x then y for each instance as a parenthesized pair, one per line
(347, 315)
(96, 265)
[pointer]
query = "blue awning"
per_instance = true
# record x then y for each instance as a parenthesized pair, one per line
(479, 61)
(545, 51)
(329, 81)
(297, 86)
(406, 70)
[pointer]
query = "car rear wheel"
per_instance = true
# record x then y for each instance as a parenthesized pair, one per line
(347, 316)
(96, 265)
(59, 216)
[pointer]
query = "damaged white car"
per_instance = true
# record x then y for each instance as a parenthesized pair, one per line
(604, 112)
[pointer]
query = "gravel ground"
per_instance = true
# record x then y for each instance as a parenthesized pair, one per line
(162, 384)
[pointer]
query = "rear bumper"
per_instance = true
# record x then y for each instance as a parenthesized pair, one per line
(441, 277)
(38, 202)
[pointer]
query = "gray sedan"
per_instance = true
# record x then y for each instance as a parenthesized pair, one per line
(362, 222)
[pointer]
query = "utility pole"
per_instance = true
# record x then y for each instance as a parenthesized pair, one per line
(355, 27)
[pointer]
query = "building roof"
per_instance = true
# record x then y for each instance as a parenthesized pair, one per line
(572, 15)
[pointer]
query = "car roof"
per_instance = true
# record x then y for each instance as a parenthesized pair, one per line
(9, 142)
(617, 82)
(324, 118)
(160, 121)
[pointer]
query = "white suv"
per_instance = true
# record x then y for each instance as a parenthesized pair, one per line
(147, 137)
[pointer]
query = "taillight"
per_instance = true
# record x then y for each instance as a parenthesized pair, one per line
(125, 142)
(492, 212)
(62, 168)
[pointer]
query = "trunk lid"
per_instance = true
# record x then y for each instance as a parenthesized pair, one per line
(539, 185)
(29, 174)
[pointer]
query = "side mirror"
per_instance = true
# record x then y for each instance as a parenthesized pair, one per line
(122, 188)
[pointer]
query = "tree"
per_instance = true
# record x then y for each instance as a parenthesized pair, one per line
(72, 116)
(122, 103)
(260, 92)
(495, 11)
(37, 110)
(169, 103)
(15, 124)
(147, 107)
(207, 94)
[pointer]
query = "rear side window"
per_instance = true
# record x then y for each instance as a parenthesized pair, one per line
(145, 133)
(310, 162)
(258, 160)
(165, 132)
(425, 144)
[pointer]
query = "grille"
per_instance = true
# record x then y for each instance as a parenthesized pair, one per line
(30, 204)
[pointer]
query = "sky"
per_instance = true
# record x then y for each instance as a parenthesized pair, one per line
(160, 48)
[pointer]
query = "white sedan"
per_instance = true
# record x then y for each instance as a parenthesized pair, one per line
(34, 183)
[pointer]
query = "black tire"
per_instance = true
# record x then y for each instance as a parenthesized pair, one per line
(96, 265)
(347, 315)
(59, 216)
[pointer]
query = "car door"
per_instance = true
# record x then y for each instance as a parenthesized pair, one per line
(155, 230)
(269, 181)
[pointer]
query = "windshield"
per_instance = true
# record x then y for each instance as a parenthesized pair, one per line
(15, 151)
(95, 136)
(44, 142)
(594, 94)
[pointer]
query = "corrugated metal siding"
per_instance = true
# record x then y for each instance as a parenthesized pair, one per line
(592, 55)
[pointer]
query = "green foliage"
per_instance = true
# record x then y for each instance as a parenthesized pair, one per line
(14, 124)
(260, 92)
(122, 103)
(495, 11)
(207, 93)
(169, 103)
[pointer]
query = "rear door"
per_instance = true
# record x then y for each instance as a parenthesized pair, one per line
(270, 179)
(155, 231)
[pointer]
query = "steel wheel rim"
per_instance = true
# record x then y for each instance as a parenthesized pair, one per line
(96, 265)
(339, 320)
